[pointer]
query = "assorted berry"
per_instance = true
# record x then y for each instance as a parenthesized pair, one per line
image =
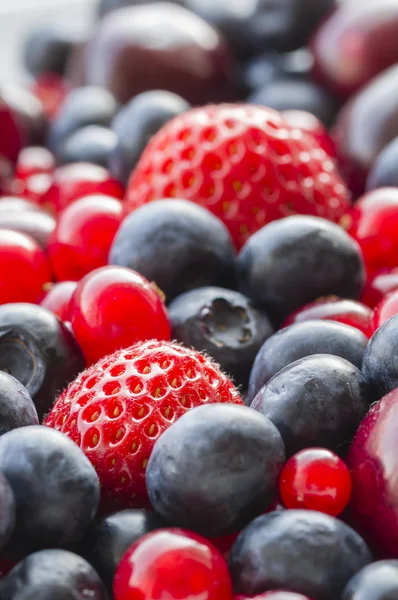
(199, 302)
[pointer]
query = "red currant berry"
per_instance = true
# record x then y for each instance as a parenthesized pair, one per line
(83, 236)
(373, 222)
(58, 297)
(24, 268)
(115, 307)
(387, 308)
(316, 479)
(277, 595)
(335, 309)
(378, 284)
(312, 125)
(34, 160)
(77, 180)
(14, 204)
(173, 564)
(51, 89)
(225, 543)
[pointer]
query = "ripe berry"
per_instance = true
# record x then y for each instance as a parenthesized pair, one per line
(58, 297)
(313, 126)
(246, 164)
(332, 308)
(51, 89)
(378, 284)
(173, 564)
(380, 364)
(278, 595)
(7, 511)
(316, 479)
(384, 170)
(83, 236)
(16, 406)
(24, 268)
(118, 408)
(378, 581)
(373, 222)
(92, 144)
(34, 160)
(387, 308)
(114, 307)
(76, 180)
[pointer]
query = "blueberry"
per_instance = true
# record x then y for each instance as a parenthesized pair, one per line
(83, 106)
(299, 550)
(16, 405)
(136, 123)
(295, 260)
(39, 351)
(177, 244)
(215, 469)
(296, 94)
(380, 361)
(55, 486)
(93, 144)
(318, 400)
(108, 538)
(304, 339)
(7, 511)
(53, 575)
(384, 172)
(47, 50)
(378, 581)
(106, 6)
(263, 69)
(253, 27)
(224, 324)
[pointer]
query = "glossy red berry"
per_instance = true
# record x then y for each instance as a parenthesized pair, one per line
(83, 236)
(24, 268)
(373, 222)
(77, 180)
(316, 479)
(34, 160)
(173, 564)
(58, 297)
(387, 308)
(115, 307)
(274, 595)
(312, 125)
(332, 308)
(378, 284)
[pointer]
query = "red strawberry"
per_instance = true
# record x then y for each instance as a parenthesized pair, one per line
(116, 410)
(246, 164)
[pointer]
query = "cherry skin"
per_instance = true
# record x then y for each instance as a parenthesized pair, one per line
(34, 160)
(83, 236)
(373, 222)
(378, 284)
(58, 297)
(387, 308)
(115, 307)
(316, 479)
(274, 595)
(173, 564)
(332, 308)
(24, 268)
(77, 180)
(312, 125)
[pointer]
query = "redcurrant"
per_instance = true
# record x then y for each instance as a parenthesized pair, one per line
(34, 160)
(114, 307)
(387, 308)
(58, 297)
(378, 284)
(173, 564)
(83, 236)
(316, 479)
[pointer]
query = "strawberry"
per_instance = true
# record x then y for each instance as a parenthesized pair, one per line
(246, 164)
(116, 410)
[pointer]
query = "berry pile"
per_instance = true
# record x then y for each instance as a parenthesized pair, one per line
(199, 304)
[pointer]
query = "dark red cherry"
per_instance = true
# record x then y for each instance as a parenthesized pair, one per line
(378, 284)
(159, 46)
(373, 222)
(173, 564)
(332, 308)
(316, 479)
(356, 43)
(366, 125)
(373, 459)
